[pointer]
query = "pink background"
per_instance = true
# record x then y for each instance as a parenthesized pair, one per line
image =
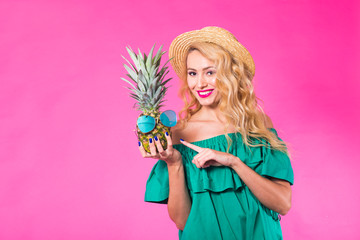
(69, 164)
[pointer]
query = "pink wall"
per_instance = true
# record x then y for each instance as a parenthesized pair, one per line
(69, 164)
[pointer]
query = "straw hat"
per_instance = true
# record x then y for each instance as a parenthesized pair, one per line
(180, 46)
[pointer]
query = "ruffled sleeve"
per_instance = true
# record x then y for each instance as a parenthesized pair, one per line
(275, 164)
(265, 161)
(157, 185)
(214, 179)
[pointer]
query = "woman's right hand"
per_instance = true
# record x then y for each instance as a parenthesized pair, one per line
(171, 156)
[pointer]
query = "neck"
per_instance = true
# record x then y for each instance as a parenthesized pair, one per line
(209, 113)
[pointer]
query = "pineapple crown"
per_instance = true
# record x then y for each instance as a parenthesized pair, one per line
(149, 88)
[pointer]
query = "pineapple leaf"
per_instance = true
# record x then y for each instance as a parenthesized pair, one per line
(158, 102)
(140, 56)
(148, 78)
(149, 60)
(132, 65)
(152, 71)
(158, 55)
(163, 76)
(128, 82)
(145, 58)
(133, 57)
(134, 96)
(135, 91)
(142, 67)
(158, 91)
(131, 78)
(140, 84)
(156, 80)
(130, 71)
(164, 66)
(143, 80)
(163, 91)
(166, 81)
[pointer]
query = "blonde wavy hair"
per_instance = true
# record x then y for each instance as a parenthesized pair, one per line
(238, 101)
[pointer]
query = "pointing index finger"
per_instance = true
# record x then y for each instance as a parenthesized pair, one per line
(192, 146)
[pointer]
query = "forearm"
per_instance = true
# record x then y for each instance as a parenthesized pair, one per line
(275, 195)
(179, 203)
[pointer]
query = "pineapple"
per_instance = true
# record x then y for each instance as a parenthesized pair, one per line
(149, 90)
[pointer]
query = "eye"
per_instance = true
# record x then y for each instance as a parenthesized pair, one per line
(209, 73)
(192, 73)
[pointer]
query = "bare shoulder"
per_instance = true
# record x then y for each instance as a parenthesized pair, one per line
(267, 120)
(197, 130)
(178, 132)
(194, 130)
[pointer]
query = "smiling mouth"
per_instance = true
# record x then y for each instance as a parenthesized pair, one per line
(205, 93)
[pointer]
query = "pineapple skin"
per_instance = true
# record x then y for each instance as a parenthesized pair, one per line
(158, 131)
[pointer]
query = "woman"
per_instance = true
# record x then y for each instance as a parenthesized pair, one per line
(230, 177)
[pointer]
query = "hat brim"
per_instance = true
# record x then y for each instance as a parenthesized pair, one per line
(180, 46)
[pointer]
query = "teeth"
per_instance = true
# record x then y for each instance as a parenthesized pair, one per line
(204, 93)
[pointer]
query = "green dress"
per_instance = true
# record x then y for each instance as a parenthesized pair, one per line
(223, 207)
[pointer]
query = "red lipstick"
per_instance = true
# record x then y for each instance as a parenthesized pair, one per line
(205, 93)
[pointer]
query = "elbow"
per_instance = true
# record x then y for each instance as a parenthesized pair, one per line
(179, 222)
(285, 200)
(178, 219)
(180, 226)
(285, 208)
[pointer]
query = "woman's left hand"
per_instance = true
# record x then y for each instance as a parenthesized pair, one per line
(207, 157)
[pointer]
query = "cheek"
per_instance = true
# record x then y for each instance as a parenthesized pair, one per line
(191, 83)
(212, 81)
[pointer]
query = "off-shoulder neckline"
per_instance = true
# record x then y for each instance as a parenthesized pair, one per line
(212, 138)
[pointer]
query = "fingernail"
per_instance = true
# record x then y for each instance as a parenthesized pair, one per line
(139, 144)
(181, 139)
(167, 134)
(150, 140)
(156, 138)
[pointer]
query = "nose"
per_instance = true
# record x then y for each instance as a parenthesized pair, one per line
(201, 82)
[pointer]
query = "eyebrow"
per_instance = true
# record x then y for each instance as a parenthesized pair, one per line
(203, 68)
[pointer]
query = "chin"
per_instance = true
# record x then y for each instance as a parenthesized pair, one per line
(208, 102)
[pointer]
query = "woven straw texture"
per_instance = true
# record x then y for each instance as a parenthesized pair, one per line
(181, 44)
